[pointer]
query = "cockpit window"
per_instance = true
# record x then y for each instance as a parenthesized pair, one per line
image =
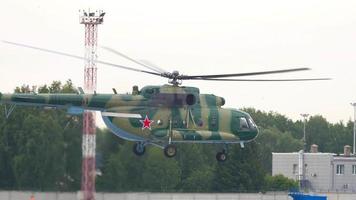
(252, 123)
(149, 91)
(243, 123)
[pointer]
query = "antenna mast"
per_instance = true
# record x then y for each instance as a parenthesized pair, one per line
(91, 20)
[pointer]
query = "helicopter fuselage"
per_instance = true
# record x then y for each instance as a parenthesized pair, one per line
(156, 114)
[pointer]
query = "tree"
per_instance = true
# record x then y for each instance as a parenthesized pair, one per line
(43, 89)
(38, 163)
(279, 183)
(40, 149)
(197, 163)
(199, 180)
(241, 173)
(273, 140)
(276, 120)
(318, 132)
(68, 87)
(341, 134)
(160, 174)
(23, 89)
(55, 87)
(124, 171)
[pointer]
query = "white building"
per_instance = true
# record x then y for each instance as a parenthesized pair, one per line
(318, 171)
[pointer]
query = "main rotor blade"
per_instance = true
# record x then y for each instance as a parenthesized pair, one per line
(149, 63)
(243, 74)
(80, 57)
(264, 80)
(154, 68)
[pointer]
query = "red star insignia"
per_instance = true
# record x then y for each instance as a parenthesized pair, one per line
(146, 123)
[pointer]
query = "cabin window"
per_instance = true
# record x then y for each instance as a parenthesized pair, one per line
(149, 91)
(243, 123)
(190, 99)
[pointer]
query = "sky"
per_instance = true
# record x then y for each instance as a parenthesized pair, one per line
(195, 37)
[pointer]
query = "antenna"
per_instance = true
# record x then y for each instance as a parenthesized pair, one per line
(91, 20)
(305, 116)
(354, 105)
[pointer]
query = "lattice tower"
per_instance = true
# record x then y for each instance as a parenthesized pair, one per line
(91, 20)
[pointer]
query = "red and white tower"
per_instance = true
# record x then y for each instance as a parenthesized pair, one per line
(91, 20)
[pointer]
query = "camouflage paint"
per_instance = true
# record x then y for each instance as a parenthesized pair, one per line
(204, 120)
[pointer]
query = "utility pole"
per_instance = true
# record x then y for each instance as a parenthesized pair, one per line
(305, 116)
(353, 146)
(91, 20)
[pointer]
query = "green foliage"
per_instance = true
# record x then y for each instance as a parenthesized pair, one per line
(124, 171)
(199, 180)
(160, 174)
(319, 127)
(23, 89)
(40, 149)
(279, 183)
(241, 173)
(35, 164)
(197, 171)
(273, 140)
(276, 120)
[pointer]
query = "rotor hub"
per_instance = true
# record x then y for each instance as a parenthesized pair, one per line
(174, 78)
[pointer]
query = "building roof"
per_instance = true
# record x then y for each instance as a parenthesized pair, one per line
(291, 153)
(336, 157)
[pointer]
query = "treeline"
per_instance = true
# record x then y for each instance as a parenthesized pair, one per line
(41, 150)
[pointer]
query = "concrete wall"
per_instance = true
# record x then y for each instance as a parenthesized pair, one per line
(346, 181)
(282, 163)
(318, 170)
(14, 195)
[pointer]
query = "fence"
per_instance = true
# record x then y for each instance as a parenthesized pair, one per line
(20, 195)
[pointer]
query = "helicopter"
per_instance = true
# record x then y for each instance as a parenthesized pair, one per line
(163, 115)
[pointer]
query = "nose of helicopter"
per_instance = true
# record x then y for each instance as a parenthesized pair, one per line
(253, 126)
(248, 129)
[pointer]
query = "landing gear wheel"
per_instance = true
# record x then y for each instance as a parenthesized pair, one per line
(139, 149)
(221, 156)
(170, 150)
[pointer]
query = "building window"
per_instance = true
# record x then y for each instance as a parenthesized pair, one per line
(340, 169)
(295, 168)
(354, 169)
